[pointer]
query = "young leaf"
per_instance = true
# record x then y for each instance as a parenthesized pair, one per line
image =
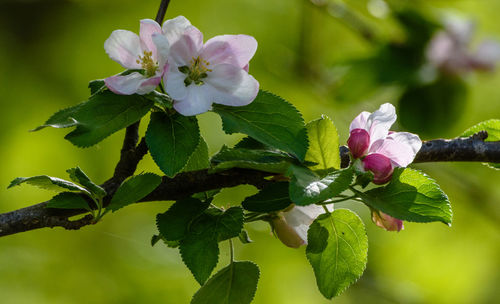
(78, 176)
(68, 200)
(172, 140)
(270, 120)
(272, 198)
(199, 159)
(491, 126)
(102, 115)
(173, 224)
(47, 182)
(410, 196)
(268, 161)
(337, 250)
(323, 144)
(308, 188)
(234, 284)
(133, 189)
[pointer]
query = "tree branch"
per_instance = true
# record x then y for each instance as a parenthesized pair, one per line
(186, 184)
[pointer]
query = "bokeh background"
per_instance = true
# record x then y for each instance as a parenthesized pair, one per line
(49, 50)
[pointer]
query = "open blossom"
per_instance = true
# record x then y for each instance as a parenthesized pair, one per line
(380, 150)
(147, 52)
(449, 49)
(216, 71)
(292, 224)
(386, 221)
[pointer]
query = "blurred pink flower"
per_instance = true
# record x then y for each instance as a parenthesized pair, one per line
(379, 149)
(147, 53)
(387, 222)
(200, 74)
(449, 49)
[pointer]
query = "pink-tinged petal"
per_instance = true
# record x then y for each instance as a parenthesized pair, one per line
(358, 142)
(147, 29)
(440, 49)
(386, 221)
(486, 56)
(380, 121)
(232, 85)
(380, 166)
(125, 85)
(148, 85)
(246, 67)
(400, 147)
(124, 47)
(174, 28)
(285, 233)
(360, 121)
(231, 49)
(460, 30)
(187, 47)
(196, 101)
(163, 49)
(174, 83)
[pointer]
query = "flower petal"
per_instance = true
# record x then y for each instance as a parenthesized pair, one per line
(148, 85)
(231, 49)
(360, 121)
(400, 147)
(147, 29)
(301, 217)
(380, 121)
(358, 142)
(232, 86)
(187, 47)
(196, 101)
(125, 85)
(174, 84)
(174, 28)
(487, 54)
(163, 49)
(380, 166)
(287, 234)
(124, 47)
(386, 221)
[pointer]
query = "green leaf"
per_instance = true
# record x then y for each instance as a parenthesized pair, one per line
(491, 126)
(206, 196)
(270, 120)
(306, 187)
(96, 85)
(272, 198)
(171, 244)
(337, 250)
(234, 284)
(410, 196)
(199, 247)
(244, 237)
(68, 200)
(78, 176)
(268, 161)
(47, 182)
(174, 223)
(162, 100)
(172, 140)
(250, 143)
(199, 159)
(102, 115)
(134, 189)
(323, 144)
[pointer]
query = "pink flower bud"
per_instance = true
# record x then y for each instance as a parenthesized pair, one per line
(387, 222)
(380, 166)
(358, 142)
(285, 233)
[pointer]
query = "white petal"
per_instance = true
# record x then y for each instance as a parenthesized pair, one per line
(400, 147)
(124, 47)
(231, 85)
(232, 49)
(174, 84)
(380, 121)
(300, 217)
(487, 54)
(174, 28)
(147, 29)
(148, 85)
(163, 49)
(440, 49)
(460, 29)
(197, 101)
(187, 47)
(125, 85)
(360, 121)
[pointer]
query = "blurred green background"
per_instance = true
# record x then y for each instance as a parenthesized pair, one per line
(51, 49)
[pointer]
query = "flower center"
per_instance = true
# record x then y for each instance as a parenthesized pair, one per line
(196, 71)
(148, 64)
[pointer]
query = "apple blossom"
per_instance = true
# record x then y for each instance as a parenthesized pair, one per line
(380, 150)
(145, 55)
(386, 221)
(200, 74)
(449, 50)
(291, 225)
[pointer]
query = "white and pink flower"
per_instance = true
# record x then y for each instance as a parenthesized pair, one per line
(200, 73)
(386, 221)
(146, 53)
(292, 224)
(381, 151)
(449, 49)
